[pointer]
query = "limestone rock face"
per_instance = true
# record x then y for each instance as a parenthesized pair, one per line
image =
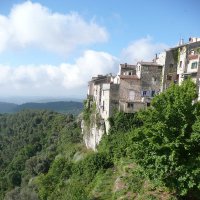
(92, 135)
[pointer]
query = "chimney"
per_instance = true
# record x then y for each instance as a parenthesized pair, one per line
(181, 42)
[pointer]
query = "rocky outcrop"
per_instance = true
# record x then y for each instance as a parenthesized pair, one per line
(92, 134)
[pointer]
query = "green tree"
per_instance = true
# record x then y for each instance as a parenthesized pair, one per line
(167, 145)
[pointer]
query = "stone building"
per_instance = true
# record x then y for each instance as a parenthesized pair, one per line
(135, 85)
(95, 88)
(109, 102)
(136, 89)
(181, 62)
(150, 74)
(104, 94)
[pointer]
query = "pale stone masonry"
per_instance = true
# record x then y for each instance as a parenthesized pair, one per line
(181, 62)
(135, 85)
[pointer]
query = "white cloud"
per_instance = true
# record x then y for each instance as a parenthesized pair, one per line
(31, 24)
(63, 80)
(142, 49)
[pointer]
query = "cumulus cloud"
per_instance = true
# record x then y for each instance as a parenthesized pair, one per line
(142, 49)
(63, 80)
(31, 24)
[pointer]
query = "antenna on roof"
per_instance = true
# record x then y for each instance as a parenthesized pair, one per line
(181, 41)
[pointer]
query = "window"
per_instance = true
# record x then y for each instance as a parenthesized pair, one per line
(153, 93)
(177, 79)
(186, 77)
(129, 73)
(180, 64)
(194, 65)
(144, 93)
(171, 68)
(131, 95)
(103, 105)
(169, 78)
(148, 104)
(130, 105)
(154, 79)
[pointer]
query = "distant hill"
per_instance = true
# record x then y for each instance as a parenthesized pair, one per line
(7, 107)
(59, 106)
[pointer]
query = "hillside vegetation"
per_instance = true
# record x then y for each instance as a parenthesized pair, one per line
(153, 154)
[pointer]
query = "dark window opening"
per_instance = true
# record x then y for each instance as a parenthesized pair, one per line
(194, 65)
(148, 104)
(130, 105)
(186, 77)
(177, 78)
(169, 78)
(180, 64)
(154, 80)
(144, 93)
(171, 68)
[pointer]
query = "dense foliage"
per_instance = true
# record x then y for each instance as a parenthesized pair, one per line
(167, 145)
(29, 143)
(168, 141)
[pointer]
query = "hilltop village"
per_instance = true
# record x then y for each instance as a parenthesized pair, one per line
(135, 85)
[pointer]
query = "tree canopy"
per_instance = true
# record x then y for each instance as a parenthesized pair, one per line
(167, 144)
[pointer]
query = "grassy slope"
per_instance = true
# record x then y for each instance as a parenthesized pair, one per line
(124, 181)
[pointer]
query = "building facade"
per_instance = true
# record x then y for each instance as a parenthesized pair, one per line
(182, 62)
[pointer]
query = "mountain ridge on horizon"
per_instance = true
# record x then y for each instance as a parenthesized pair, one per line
(72, 107)
(36, 99)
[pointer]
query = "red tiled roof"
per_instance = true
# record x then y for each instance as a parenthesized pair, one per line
(192, 57)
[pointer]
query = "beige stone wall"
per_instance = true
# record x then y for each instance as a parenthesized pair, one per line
(90, 88)
(170, 70)
(123, 106)
(151, 78)
(127, 86)
(178, 72)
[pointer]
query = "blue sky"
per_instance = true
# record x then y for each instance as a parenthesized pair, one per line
(52, 48)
